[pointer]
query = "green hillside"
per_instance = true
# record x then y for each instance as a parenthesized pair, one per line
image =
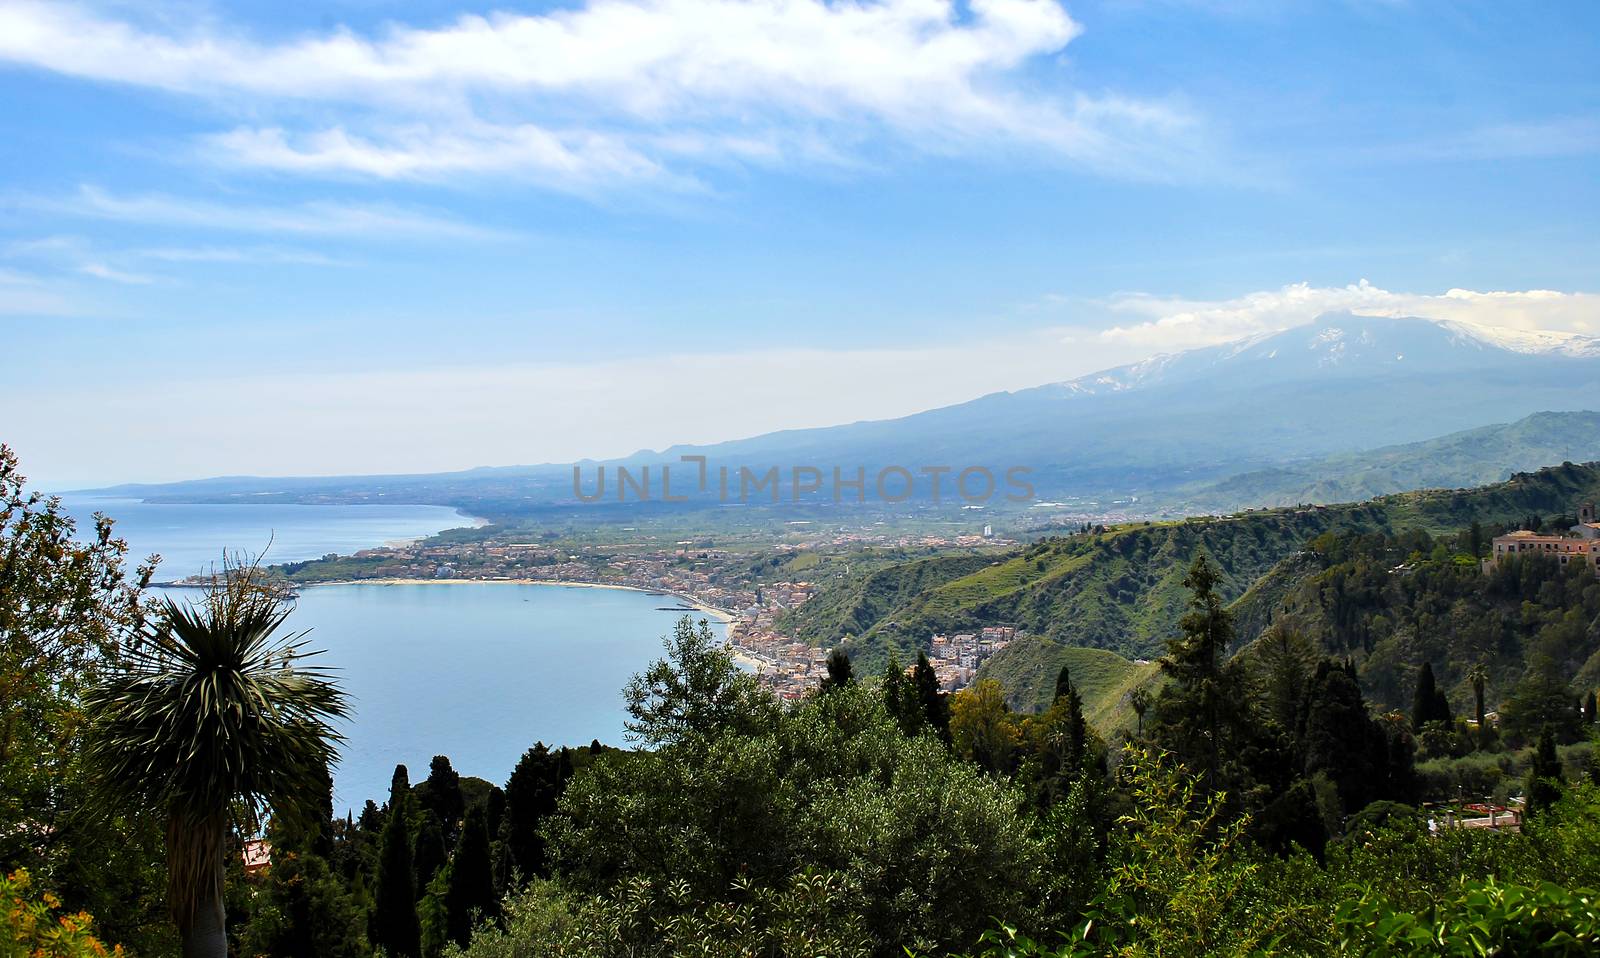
(856, 605)
(1391, 603)
(1473, 457)
(1028, 668)
(1120, 590)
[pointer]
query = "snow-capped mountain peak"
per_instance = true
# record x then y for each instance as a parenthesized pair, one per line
(1338, 344)
(1528, 341)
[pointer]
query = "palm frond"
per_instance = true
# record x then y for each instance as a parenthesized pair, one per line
(213, 707)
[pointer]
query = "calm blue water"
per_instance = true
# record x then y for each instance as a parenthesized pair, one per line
(190, 538)
(475, 672)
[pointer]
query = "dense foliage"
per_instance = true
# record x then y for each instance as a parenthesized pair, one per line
(1121, 588)
(32, 925)
(1260, 795)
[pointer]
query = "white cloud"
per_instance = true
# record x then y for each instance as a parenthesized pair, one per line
(233, 254)
(102, 271)
(591, 93)
(574, 160)
(1174, 323)
(323, 219)
(403, 420)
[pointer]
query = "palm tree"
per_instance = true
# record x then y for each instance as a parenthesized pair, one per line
(1139, 698)
(210, 719)
(1479, 676)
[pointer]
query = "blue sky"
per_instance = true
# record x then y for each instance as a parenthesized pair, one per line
(370, 236)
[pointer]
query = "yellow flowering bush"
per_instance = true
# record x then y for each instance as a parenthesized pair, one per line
(31, 926)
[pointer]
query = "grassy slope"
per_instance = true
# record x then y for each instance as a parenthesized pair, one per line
(1028, 669)
(1123, 590)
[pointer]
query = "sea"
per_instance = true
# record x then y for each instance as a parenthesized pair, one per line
(478, 672)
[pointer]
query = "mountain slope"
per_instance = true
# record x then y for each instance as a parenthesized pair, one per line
(1472, 457)
(1340, 384)
(1122, 589)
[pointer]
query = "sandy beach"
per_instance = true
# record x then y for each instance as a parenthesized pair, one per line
(721, 615)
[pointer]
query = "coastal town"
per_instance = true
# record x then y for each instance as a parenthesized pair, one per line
(741, 589)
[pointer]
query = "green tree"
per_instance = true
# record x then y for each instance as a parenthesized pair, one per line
(441, 794)
(840, 672)
(1478, 675)
(1544, 783)
(428, 852)
(1542, 700)
(65, 609)
(301, 907)
(394, 923)
(982, 728)
(212, 718)
(935, 705)
(834, 786)
(1063, 683)
(1287, 665)
(531, 793)
(433, 916)
(1347, 745)
(1139, 701)
(695, 690)
(1429, 703)
(899, 698)
(469, 891)
(1058, 745)
(1202, 710)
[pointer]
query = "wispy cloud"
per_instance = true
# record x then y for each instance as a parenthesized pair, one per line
(1170, 323)
(23, 294)
(237, 254)
(1536, 139)
(596, 93)
(102, 271)
(311, 219)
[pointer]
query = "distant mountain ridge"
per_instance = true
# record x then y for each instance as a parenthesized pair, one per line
(1339, 385)
(1472, 457)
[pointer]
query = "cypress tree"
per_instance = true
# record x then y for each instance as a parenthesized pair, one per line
(896, 700)
(1063, 683)
(371, 821)
(1589, 706)
(1544, 774)
(428, 852)
(1425, 702)
(840, 672)
(394, 910)
(530, 796)
(470, 888)
(441, 793)
(1201, 706)
(934, 704)
(1344, 742)
(1077, 731)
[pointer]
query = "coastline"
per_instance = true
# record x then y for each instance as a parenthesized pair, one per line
(721, 615)
(473, 522)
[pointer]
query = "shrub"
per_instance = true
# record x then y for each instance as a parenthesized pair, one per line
(32, 927)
